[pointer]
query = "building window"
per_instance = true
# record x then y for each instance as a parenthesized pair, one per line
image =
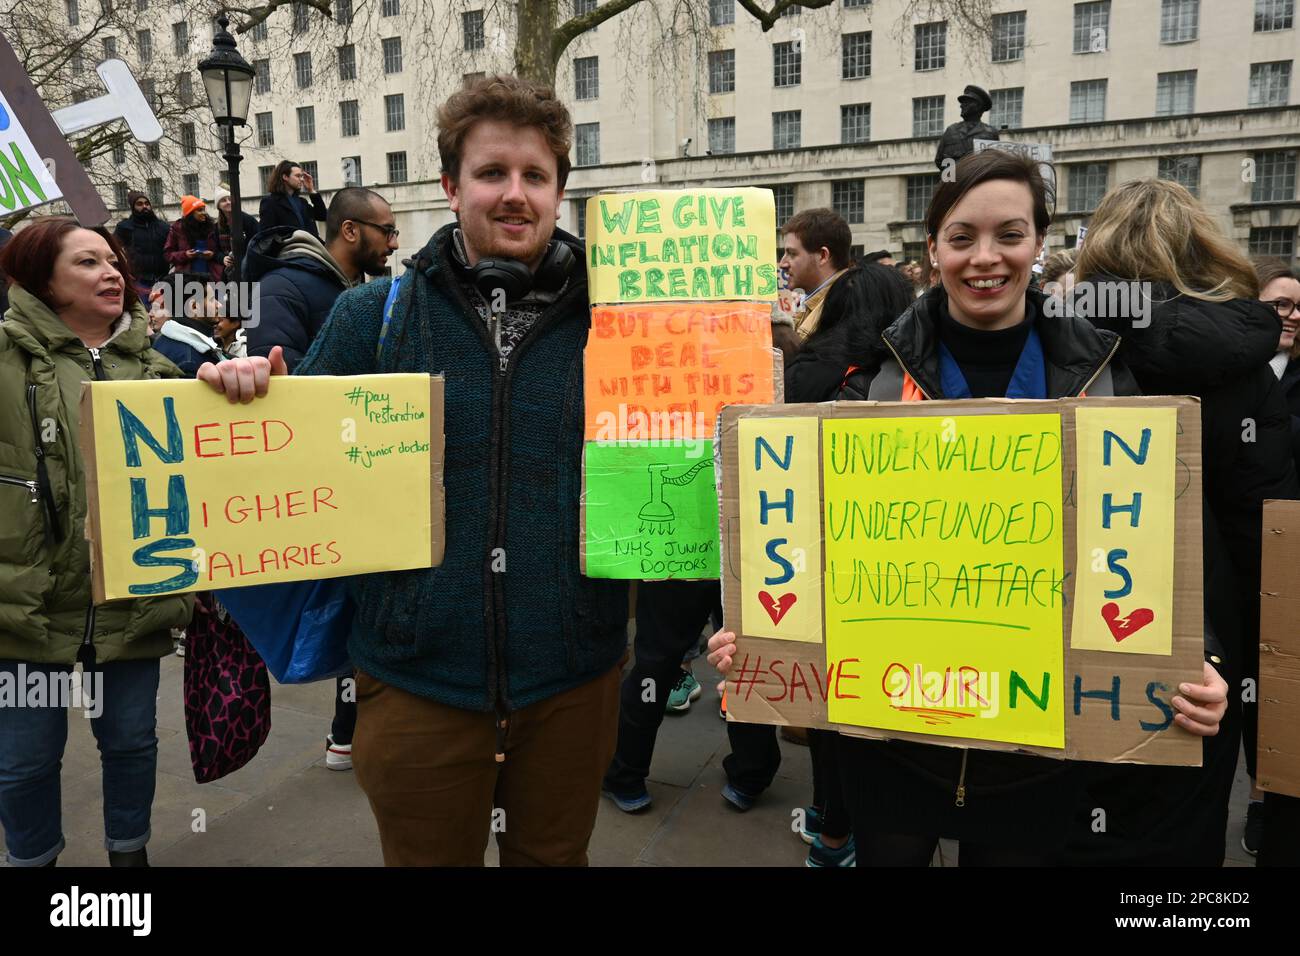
(1273, 241)
(472, 26)
(153, 151)
(119, 153)
(144, 46)
(119, 196)
(397, 167)
(1088, 101)
(259, 32)
(1184, 170)
(927, 116)
(783, 196)
(302, 70)
(154, 187)
(190, 184)
(1274, 176)
(343, 12)
(722, 71)
(264, 177)
(309, 167)
(1008, 108)
(587, 140)
(78, 63)
(722, 135)
(185, 88)
(583, 7)
(350, 118)
(392, 47)
(147, 87)
(181, 38)
(351, 166)
(857, 4)
(395, 112)
(855, 55)
(920, 190)
(347, 62)
(141, 6)
(110, 48)
(787, 64)
(391, 8)
(1179, 20)
(931, 45)
(1273, 15)
(1092, 27)
(1270, 83)
(265, 129)
(848, 199)
(722, 12)
(855, 123)
(1087, 185)
(301, 17)
(1176, 93)
(306, 124)
(74, 12)
(790, 12)
(261, 76)
(580, 218)
(1009, 37)
(586, 78)
(189, 142)
(787, 132)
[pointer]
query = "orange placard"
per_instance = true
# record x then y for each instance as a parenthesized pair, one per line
(665, 371)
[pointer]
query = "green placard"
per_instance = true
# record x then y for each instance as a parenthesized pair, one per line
(651, 510)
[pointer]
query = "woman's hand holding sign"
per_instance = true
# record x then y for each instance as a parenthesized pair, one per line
(240, 380)
(1201, 706)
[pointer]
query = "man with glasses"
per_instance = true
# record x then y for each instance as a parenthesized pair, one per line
(297, 280)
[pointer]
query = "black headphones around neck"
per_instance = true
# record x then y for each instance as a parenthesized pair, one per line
(516, 280)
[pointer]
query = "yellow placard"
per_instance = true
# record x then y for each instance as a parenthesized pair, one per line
(944, 575)
(698, 244)
(323, 477)
(1123, 599)
(780, 573)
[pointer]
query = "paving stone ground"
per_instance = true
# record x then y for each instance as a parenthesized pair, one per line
(286, 809)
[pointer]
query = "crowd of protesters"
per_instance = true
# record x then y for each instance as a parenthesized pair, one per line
(529, 706)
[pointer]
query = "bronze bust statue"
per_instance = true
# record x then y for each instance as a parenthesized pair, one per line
(959, 138)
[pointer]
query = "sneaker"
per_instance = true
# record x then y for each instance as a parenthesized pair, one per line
(180, 646)
(812, 825)
(722, 706)
(738, 800)
(684, 691)
(628, 803)
(337, 756)
(1254, 827)
(822, 855)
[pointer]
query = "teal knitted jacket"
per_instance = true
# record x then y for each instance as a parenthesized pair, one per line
(469, 634)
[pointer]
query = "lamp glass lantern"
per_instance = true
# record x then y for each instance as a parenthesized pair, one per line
(228, 79)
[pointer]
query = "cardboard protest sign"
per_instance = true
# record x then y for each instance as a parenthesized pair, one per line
(694, 244)
(324, 477)
(1278, 693)
(936, 551)
(669, 347)
(24, 180)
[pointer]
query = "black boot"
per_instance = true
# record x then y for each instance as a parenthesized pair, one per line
(133, 858)
(53, 862)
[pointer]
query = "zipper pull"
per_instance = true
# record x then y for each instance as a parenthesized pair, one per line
(33, 491)
(94, 353)
(961, 780)
(502, 726)
(503, 362)
(961, 795)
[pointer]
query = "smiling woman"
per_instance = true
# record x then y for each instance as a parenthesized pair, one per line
(73, 316)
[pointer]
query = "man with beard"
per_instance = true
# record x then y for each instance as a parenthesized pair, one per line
(487, 688)
(143, 235)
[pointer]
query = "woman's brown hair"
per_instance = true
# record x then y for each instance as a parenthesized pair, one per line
(28, 258)
(985, 166)
(1154, 230)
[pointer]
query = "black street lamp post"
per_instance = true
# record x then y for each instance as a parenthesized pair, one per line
(228, 79)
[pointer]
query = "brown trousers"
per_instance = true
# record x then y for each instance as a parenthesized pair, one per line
(436, 790)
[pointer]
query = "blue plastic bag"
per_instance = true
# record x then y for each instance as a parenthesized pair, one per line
(300, 628)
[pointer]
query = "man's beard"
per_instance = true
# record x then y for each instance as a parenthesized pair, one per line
(489, 246)
(143, 215)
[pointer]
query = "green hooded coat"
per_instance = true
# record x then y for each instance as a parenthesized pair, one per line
(45, 606)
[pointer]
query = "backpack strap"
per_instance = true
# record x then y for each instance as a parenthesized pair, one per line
(393, 289)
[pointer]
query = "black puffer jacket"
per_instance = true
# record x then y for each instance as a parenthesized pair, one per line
(1219, 353)
(1017, 802)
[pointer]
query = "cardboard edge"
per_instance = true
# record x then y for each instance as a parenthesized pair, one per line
(93, 530)
(437, 468)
